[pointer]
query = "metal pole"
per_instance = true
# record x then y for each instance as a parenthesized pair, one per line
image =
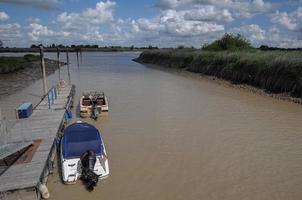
(48, 99)
(52, 96)
(58, 58)
(55, 91)
(67, 58)
(43, 70)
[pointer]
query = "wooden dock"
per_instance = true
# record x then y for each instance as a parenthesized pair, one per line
(40, 129)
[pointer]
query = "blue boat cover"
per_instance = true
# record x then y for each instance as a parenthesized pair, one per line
(79, 138)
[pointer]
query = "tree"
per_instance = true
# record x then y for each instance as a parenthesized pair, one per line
(1, 44)
(264, 47)
(34, 46)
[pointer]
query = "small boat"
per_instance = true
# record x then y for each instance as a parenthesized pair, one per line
(83, 155)
(93, 103)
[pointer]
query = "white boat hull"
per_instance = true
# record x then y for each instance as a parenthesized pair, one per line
(71, 168)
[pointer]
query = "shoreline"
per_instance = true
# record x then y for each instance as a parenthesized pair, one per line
(15, 81)
(276, 74)
(226, 83)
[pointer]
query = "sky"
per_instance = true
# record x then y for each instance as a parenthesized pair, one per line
(163, 23)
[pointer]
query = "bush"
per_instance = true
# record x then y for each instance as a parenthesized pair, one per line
(229, 42)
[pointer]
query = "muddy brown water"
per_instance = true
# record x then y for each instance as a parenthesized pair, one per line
(174, 135)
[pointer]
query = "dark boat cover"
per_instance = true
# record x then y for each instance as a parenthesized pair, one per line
(79, 138)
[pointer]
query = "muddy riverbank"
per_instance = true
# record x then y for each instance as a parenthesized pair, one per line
(226, 83)
(272, 71)
(15, 81)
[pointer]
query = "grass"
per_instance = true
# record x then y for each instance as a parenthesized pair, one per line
(12, 64)
(273, 71)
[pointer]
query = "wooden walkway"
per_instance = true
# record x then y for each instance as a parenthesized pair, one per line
(43, 126)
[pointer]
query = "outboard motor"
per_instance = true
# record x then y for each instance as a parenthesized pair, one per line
(94, 111)
(88, 160)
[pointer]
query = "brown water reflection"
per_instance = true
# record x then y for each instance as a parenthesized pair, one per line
(172, 135)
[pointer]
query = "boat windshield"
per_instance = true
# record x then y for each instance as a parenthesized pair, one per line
(79, 138)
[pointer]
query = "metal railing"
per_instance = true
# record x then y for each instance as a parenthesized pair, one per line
(51, 95)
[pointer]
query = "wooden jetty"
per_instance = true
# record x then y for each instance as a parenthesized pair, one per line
(23, 179)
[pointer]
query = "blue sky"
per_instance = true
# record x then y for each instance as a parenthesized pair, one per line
(164, 23)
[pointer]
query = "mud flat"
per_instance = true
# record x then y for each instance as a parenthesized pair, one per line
(18, 72)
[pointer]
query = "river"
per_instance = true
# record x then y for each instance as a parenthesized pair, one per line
(173, 135)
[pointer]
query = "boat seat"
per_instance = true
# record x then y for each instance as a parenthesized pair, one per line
(100, 101)
(86, 102)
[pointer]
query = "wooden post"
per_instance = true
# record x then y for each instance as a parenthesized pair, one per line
(58, 59)
(43, 70)
(78, 57)
(67, 58)
(81, 54)
(2, 131)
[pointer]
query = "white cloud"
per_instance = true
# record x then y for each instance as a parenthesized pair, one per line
(41, 33)
(289, 24)
(10, 31)
(252, 32)
(169, 25)
(276, 37)
(178, 22)
(3, 16)
(89, 18)
(271, 37)
(10, 34)
(239, 8)
(248, 9)
(291, 21)
(209, 13)
(75, 27)
(174, 23)
(44, 4)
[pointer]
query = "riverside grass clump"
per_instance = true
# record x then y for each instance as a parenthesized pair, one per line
(273, 71)
(12, 64)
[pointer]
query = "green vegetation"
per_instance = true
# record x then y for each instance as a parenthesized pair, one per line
(12, 64)
(229, 42)
(31, 57)
(274, 71)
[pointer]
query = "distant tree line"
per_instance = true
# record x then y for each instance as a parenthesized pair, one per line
(95, 46)
(268, 48)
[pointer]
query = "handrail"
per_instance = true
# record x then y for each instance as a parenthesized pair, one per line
(53, 92)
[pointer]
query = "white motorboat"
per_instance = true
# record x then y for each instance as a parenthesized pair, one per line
(83, 155)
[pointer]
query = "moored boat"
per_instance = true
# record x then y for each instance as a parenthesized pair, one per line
(83, 155)
(93, 103)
